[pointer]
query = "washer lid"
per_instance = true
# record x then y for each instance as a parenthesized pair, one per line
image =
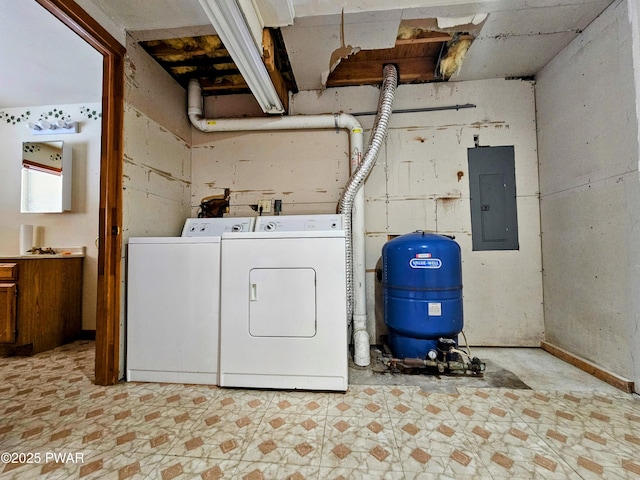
(172, 240)
(278, 235)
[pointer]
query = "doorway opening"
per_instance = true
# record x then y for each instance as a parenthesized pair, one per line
(110, 209)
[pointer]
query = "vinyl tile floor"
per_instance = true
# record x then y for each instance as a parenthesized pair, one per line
(55, 423)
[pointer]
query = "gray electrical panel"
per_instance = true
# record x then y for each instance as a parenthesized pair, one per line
(492, 184)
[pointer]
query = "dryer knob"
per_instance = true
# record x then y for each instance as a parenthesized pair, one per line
(237, 227)
(270, 227)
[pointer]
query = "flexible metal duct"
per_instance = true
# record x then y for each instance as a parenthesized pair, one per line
(352, 202)
(361, 339)
(335, 121)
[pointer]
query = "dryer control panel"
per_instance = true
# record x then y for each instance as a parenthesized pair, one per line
(300, 223)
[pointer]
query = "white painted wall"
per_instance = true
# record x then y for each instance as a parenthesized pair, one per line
(590, 192)
(415, 185)
(79, 227)
(633, 286)
(157, 173)
(307, 170)
(157, 158)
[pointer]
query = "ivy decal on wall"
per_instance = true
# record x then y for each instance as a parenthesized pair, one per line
(90, 114)
(50, 115)
(14, 119)
(55, 114)
(28, 147)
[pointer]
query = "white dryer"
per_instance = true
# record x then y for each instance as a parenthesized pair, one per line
(173, 292)
(300, 223)
(283, 305)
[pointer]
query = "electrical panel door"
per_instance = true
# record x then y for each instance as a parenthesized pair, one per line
(492, 184)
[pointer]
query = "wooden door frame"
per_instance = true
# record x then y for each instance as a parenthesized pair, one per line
(110, 210)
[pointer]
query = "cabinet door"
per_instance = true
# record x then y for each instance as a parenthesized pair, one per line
(8, 312)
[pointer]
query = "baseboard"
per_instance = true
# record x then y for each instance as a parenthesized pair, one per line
(591, 368)
(9, 350)
(87, 335)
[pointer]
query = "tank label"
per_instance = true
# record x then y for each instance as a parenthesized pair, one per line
(435, 309)
(425, 263)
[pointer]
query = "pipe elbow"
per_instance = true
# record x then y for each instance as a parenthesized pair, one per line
(351, 123)
(198, 121)
(194, 101)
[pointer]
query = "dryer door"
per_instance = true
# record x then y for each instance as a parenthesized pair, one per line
(282, 302)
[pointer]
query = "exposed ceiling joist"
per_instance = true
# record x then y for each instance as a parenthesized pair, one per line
(417, 60)
(205, 58)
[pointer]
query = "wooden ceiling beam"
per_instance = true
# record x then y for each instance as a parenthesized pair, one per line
(412, 41)
(444, 37)
(269, 58)
(230, 82)
(196, 60)
(370, 72)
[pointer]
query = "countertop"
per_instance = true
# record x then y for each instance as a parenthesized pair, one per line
(62, 252)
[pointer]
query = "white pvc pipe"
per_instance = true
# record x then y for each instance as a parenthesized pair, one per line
(356, 144)
(353, 190)
(361, 339)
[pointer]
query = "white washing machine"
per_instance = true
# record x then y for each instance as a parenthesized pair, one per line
(283, 305)
(173, 288)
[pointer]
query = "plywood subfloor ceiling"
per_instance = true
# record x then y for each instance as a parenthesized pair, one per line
(421, 55)
(205, 57)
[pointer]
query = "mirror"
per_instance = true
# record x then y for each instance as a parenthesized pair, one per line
(46, 177)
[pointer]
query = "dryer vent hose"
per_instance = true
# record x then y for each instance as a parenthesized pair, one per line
(345, 206)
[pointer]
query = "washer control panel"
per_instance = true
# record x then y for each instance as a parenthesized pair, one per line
(215, 227)
(300, 223)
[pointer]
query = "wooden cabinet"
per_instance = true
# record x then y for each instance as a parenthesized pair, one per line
(8, 294)
(40, 303)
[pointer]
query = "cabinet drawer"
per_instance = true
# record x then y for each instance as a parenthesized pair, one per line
(8, 271)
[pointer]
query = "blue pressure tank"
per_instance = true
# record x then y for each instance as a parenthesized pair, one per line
(422, 292)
